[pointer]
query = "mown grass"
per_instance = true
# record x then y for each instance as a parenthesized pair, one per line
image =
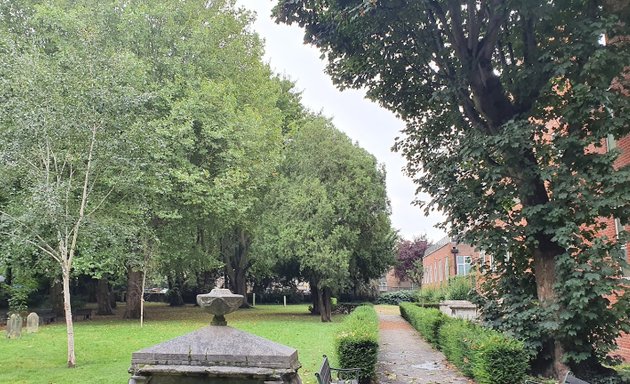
(104, 345)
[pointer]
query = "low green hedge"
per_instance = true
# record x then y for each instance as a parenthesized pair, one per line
(426, 320)
(397, 297)
(487, 356)
(357, 342)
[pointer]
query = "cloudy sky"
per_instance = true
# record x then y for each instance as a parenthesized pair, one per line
(373, 127)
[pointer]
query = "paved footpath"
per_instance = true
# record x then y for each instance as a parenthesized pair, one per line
(404, 357)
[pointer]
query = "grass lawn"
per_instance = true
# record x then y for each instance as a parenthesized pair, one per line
(104, 345)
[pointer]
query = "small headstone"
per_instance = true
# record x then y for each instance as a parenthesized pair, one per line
(14, 326)
(32, 322)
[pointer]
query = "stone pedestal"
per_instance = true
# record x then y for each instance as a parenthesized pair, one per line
(216, 354)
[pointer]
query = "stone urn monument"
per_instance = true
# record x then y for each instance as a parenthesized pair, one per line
(217, 353)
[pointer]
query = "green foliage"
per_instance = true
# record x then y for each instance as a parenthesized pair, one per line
(504, 106)
(426, 320)
(328, 214)
(356, 342)
(397, 297)
(455, 339)
(431, 294)
(487, 356)
(459, 288)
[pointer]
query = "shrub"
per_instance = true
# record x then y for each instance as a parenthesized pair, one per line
(431, 295)
(397, 297)
(426, 320)
(459, 288)
(487, 356)
(456, 338)
(499, 359)
(357, 342)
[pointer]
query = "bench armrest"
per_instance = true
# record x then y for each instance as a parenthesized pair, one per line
(342, 373)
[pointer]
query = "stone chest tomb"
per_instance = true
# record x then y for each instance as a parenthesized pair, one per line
(216, 354)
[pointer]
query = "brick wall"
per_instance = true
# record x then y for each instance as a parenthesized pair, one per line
(623, 145)
(394, 283)
(440, 262)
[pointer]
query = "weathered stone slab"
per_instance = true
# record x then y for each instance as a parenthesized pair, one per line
(459, 308)
(14, 326)
(32, 322)
(216, 346)
(216, 354)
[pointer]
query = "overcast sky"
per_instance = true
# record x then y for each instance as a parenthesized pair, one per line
(373, 127)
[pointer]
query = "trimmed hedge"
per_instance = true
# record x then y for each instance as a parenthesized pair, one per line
(426, 320)
(357, 342)
(397, 297)
(488, 356)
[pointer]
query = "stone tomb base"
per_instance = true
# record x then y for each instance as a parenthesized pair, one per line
(216, 354)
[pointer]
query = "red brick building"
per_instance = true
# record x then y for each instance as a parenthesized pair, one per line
(390, 282)
(445, 259)
(614, 227)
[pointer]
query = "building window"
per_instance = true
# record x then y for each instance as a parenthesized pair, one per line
(463, 265)
(611, 143)
(447, 272)
(382, 285)
(624, 247)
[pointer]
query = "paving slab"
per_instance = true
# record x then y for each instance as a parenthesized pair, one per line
(404, 357)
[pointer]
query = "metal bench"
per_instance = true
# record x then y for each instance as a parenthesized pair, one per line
(344, 376)
(568, 379)
(83, 314)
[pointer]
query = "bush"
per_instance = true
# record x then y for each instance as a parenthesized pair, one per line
(276, 296)
(455, 339)
(431, 295)
(397, 297)
(487, 356)
(426, 320)
(357, 342)
(499, 359)
(459, 288)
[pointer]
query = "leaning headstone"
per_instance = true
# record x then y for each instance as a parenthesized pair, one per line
(14, 326)
(32, 322)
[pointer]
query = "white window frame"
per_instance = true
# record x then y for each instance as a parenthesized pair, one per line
(466, 264)
(624, 247)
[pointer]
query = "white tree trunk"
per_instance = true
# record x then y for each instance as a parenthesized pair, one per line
(68, 311)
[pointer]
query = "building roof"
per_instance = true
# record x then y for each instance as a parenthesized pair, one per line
(442, 242)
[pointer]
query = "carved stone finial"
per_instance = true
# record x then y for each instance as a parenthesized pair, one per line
(220, 302)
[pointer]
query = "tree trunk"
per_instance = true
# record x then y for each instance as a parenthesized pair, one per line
(134, 294)
(72, 361)
(545, 273)
(56, 298)
(325, 305)
(103, 299)
(205, 281)
(315, 299)
(237, 262)
(112, 297)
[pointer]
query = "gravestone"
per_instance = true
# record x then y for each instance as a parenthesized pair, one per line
(14, 326)
(32, 322)
(216, 354)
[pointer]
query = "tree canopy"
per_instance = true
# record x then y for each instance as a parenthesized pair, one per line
(141, 138)
(508, 105)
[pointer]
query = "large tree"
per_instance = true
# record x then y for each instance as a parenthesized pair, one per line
(327, 212)
(507, 105)
(68, 99)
